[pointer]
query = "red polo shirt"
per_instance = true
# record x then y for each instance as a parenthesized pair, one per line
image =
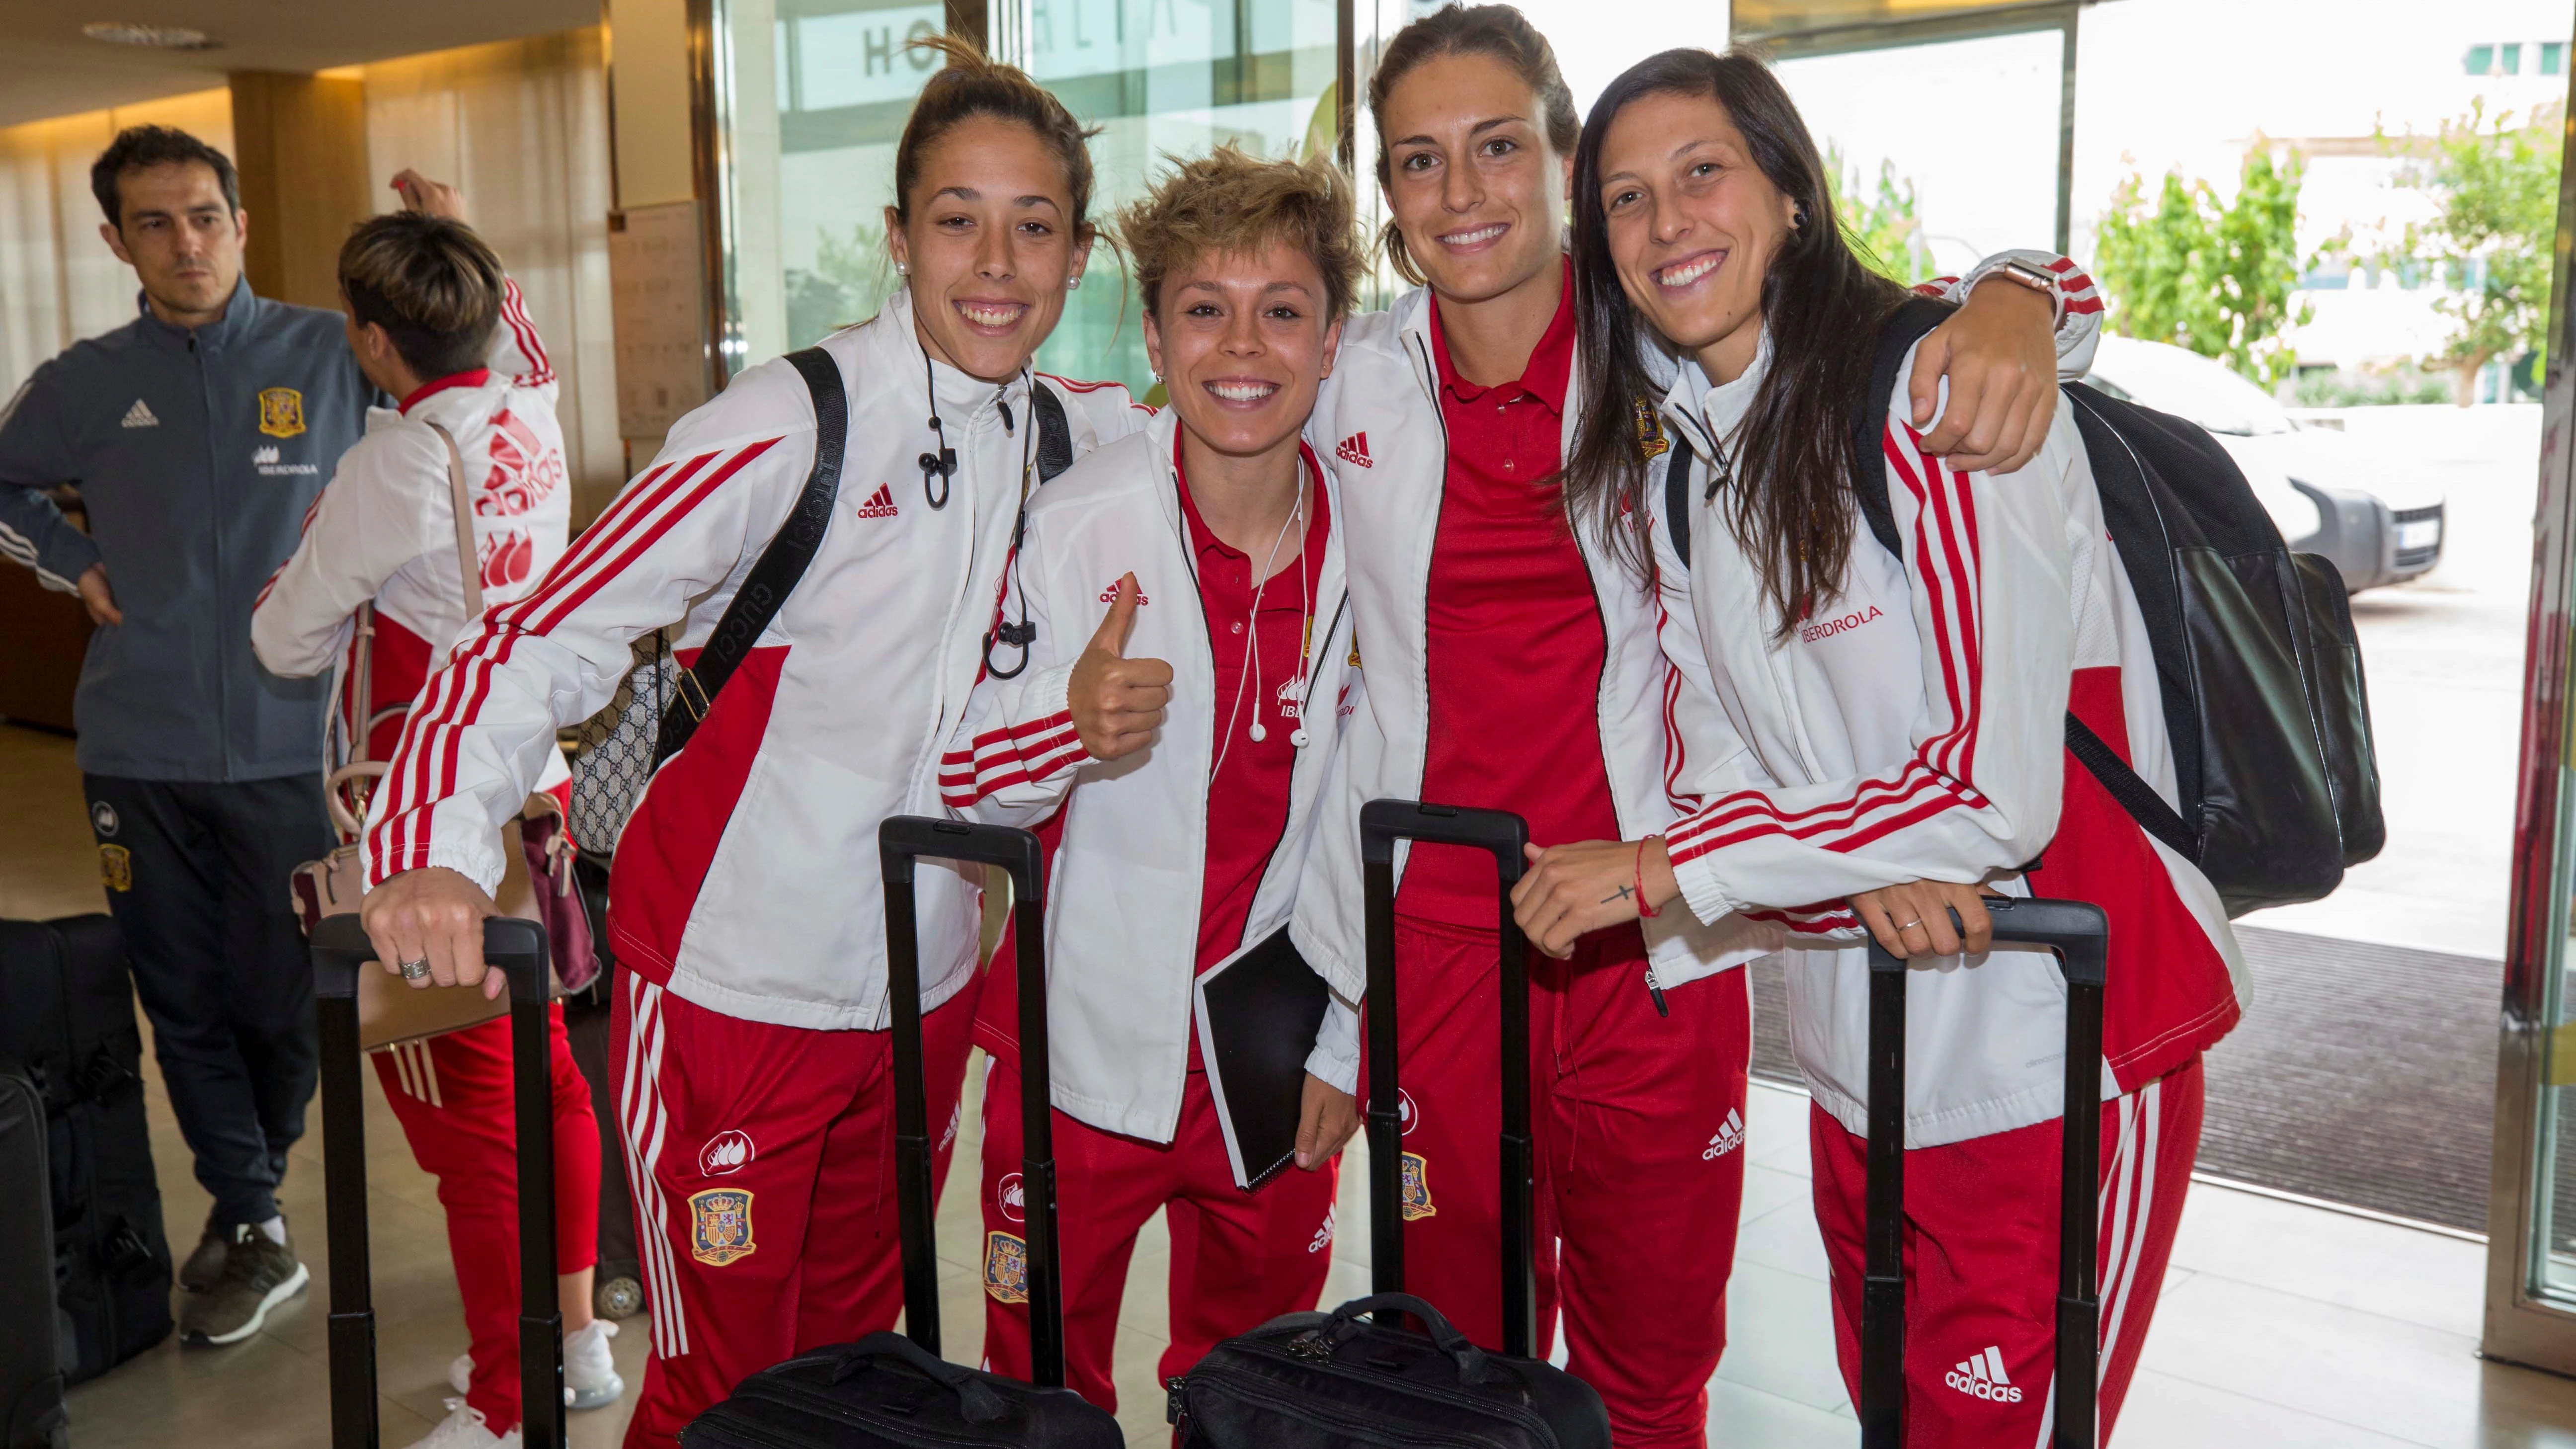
(1247, 799)
(1515, 647)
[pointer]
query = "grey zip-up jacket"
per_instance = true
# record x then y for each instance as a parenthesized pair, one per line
(197, 453)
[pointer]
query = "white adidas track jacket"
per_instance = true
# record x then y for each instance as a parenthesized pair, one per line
(1380, 425)
(1912, 728)
(747, 880)
(1123, 904)
(384, 530)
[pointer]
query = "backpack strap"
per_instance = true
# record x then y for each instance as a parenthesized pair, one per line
(1907, 325)
(2135, 795)
(765, 589)
(1677, 499)
(1055, 435)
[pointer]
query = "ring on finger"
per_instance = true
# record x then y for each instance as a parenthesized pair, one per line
(1910, 925)
(415, 970)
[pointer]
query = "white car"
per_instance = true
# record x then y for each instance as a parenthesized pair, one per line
(2329, 495)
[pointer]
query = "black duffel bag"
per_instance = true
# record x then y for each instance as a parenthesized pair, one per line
(1329, 1380)
(1337, 1381)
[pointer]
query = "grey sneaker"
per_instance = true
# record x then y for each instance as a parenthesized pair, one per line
(258, 1275)
(206, 1264)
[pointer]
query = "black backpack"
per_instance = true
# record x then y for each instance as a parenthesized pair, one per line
(2255, 652)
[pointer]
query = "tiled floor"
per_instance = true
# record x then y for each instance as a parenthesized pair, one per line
(2281, 1325)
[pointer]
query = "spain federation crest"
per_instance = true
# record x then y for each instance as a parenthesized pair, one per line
(1651, 441)
(116, 867)
(720, 1226)
(1417, 1189)
(1006, 1267)
(281, 412)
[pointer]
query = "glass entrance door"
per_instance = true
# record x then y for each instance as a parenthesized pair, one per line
(2531, 1247)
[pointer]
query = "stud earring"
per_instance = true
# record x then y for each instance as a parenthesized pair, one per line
(1073, 283)
(902, 269)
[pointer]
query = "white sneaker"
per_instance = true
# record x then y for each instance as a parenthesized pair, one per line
(463, 1428)
(590, 1375)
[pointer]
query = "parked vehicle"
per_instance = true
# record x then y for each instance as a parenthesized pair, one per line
(2330, 497)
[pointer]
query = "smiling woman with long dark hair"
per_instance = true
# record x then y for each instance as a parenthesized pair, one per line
(1894, 725)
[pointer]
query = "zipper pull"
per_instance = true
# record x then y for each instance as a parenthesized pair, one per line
(1001, 401)
(1173, 1398)
(1655, 989)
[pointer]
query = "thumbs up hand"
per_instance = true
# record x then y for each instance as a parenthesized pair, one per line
(1118, 702)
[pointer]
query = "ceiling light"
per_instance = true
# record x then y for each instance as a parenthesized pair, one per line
(157, 37)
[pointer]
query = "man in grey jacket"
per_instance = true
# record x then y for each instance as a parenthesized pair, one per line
(198, 434)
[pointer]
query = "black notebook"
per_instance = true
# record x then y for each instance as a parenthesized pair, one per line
(1258, 1014)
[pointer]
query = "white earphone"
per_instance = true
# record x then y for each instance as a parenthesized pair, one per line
(1252, 647)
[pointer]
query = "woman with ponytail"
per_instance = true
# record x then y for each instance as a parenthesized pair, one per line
(750, 1047)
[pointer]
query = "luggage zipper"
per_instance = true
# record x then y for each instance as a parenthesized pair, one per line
(824, 1406)
(1520, 1413)
(1310, 1411)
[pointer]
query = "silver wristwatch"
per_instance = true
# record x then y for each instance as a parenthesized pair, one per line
(2038, 278)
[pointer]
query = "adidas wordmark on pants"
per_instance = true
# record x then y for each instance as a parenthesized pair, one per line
(1982, 1376)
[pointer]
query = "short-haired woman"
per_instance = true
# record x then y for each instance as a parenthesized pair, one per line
(434, 323)
(751, 1048)
(1173, 729)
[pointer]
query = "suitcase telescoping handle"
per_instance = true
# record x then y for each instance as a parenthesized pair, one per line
(2078, 934)
(517, 949)
(902, 841)
(1382, 824)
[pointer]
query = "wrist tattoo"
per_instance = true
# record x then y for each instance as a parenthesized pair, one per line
(1620, 894)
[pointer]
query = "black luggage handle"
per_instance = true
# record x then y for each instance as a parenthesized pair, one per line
(1382, 824)
(902, 841)
(976, 1401)
(2078, 934)
(1475, 1366)
(517, 949)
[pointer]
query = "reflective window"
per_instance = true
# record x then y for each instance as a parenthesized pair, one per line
(1166, 78)
(813, 95)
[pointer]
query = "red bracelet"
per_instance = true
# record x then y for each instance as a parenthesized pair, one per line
(1644, 911)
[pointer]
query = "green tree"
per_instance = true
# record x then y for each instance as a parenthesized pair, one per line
(2494, 185)
(2218, 278)
(1881, 226)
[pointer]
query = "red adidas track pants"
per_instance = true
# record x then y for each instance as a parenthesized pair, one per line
(1239, 1259)
(452, 1095)
(762, 1159)
(1639, 1120)
(1981, 1261)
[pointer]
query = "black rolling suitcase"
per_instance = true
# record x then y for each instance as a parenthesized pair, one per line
(1331, 1380)
(67, 1015)
(31, 1354)
(2079, 935)
(893, 1390)
(518, 949)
